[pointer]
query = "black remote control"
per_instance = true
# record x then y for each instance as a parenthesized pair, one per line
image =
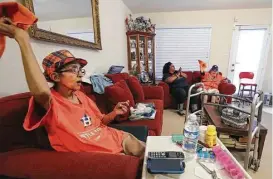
(166, 155)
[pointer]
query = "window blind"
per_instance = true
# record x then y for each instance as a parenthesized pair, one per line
(183, 47)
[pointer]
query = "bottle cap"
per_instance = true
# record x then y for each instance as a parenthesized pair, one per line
(192, 117)
(211, 128)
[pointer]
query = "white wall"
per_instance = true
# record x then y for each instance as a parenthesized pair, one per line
(222, 22)
(267, 83)
(114, 49)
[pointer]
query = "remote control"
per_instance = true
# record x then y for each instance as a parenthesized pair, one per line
(166, 155)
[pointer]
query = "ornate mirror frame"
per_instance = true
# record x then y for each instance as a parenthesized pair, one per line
(48, 36)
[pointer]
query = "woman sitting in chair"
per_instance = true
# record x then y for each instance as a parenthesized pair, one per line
(177, 81)
(72, 120)
(211, 81)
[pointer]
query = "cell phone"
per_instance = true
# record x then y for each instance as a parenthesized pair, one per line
(165, 166)
(166, 155)
(180, 69)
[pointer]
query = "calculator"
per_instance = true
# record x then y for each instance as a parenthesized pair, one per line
(166, 155)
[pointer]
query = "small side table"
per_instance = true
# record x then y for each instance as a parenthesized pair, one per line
(164, 143)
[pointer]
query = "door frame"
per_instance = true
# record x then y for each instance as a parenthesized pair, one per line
(265, 50)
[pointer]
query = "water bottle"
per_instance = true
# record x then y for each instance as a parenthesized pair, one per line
(191, 134)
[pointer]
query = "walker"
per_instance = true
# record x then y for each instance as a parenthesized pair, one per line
(250, 161)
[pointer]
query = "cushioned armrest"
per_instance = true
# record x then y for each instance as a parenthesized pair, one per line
(227, 88)
(153, 92)
(167, 96)
(165, 87)
(140, 132)
(42, 164)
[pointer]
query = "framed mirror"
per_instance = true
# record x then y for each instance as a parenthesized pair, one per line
(67, 22)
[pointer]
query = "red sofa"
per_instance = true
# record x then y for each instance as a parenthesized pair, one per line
(21, 155)
(193, 77)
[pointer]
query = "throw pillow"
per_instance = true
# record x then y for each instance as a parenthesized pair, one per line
(117, 77)
(119, 92)
(136, 89)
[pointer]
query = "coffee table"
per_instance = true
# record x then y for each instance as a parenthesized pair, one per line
(164, 143)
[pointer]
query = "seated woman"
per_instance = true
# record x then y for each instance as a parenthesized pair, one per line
(72, 120)
(211, 81)
(178, 87)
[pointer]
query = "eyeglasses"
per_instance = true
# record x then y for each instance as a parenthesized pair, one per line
(74, 70)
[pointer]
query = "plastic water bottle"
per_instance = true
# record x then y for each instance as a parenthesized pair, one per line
(191, 134)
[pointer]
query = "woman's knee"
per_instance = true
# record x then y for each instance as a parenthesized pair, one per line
(194, 91)
(181, 92)
(133, 146)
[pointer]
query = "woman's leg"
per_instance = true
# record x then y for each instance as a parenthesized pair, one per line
(214, 98)
(180, 96)
(205, 99)
(133, 146)
(194, 100)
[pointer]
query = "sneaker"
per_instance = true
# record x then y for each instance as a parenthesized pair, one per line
(194, 107)
(181, 112)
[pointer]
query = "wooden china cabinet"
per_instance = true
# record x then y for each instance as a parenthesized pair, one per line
(141, 55)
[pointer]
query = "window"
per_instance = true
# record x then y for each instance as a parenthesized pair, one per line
(183, 47)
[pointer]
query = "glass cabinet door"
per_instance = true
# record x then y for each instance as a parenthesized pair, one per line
(142, 54)
(133, 53)
(150, 57)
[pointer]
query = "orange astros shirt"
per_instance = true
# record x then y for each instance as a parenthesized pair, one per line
(75, 127)
(210, 81)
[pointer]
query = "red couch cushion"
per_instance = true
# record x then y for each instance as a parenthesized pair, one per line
(118, 77)
(196, 77)
(153, 92)
(119, 92)
(136, 89)
(12, 113)
(42, 164)
(189, 76)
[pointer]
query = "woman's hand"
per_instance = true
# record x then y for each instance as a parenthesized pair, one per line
(121, 108)
(203, 66)
(183, 75)
(225, 80)
(7, 28)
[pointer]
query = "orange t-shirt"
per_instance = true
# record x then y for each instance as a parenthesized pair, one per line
(76, 128)
(212, 82)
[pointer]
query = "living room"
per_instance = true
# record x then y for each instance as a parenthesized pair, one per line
(222, 18)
